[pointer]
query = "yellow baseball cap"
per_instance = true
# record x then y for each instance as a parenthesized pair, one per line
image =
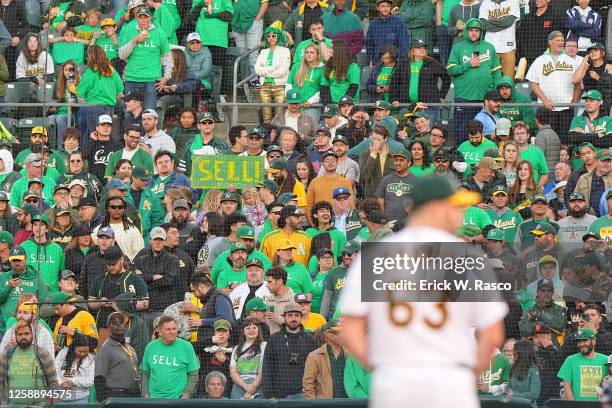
(39, 130)
(108, 22)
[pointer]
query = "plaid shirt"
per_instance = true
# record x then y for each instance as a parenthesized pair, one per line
(45, 360)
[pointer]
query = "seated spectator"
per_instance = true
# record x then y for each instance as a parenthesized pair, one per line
(295, 118)
(185, 131)
(538, 209)
(199, 62)
(583, 24)
(593, 185)
(525, 381)
(26, 310)
(75, 367)
(312, 321)
(473, 149)
(68, 47)
(247, 361)
(544, 312)
(591, 319)
(488, 114)
(317, 38)
(64, 92)
(386, 30)
(381, 73)
(34, 64)
(183, 82)
(342, 25)
(341, 76)
(521, 135)
(73, 321)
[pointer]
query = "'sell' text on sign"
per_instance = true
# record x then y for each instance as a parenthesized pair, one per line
(222, 171)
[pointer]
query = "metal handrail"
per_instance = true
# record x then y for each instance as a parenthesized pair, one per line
(236, 84)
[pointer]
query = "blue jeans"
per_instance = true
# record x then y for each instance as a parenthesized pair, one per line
(238, 392)
(148, 90)
(61, 123)
(88, 119)
(298, 396)
(462, 116)
(433, 113)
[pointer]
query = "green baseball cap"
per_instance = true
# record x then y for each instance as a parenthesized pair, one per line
(539, 197)
(41, 218)
(420, 114)
(246, 231)
(293, 96)
(60, 297)
(255, 262)
(35, 180)
(286, 198)
(142, 173)
(403, 153)
(256, 305)
(270, 185)
(592, 94)
(238, 246)
(330, 110)
(28, 208)
(584, 333)
(604, 155)
(499, 189)
(597, 46)
(273, 148)
(29, 194)
(417, 43)
(278, 165)
(17, 252)
(543, 228)
(495, 234)
(6, 237)
(229, 196)
(352, 247)
(438, 187)
(222, 324)
(346, 100)
(380, 104)
(594, 258)
(576, 196)
(340, 138)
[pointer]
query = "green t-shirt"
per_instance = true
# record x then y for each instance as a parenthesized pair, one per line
(472, 154)
(585, 375)
(338, 238)
(168, 365)
(476, 216)
(602, 226)
(213, 30)
(419, 171)
(144, 63)
(59, 18)
(269, 63)
(338, 89)
(317, 291)
(311, 84)
(174, 12)
(536, 157)
(298, 279)
(98, 89)
(108, 46)
(447, 6)
(229, 276)
(167, 22)
(64, 51)
(25, 373)
(415, 70)
(383, 78)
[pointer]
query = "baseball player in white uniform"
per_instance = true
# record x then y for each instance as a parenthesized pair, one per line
(423, 354)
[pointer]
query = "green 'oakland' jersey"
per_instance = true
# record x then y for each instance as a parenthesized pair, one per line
(310, 86)
(338, 89)
(498, 372)
(508, 221)
(213, 30)
(109, 47)
(583, 124)
(585, 375)
(168, 366)
(144, 63)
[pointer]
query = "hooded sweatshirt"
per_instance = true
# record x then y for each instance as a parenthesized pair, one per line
(473, 83)
(136, 333)
(8, 176)
(10, 296)
(461, 12)
(557, 282)
(516, 113)
(51, 257)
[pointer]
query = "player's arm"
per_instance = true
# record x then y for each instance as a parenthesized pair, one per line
(354, 338)
(489, 338)
(567, 391)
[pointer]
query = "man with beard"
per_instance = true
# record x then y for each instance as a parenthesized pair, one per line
(488, 114)
(229, 203)
(336, 279)
(474, 148)
(502, 216)
(441, 159)
(166, 177)
(285, 357)
(593, 185)
(347, 167)
(550, 358)
(586, 163)
(116, 368)
(39, 137)
(394, 189)
(231, 224)
(592, 319)
(26, 367)
(252, 288)
(545, 311)
(190, 234)
(186, 264)
(545, 244)
(229, 279)
(131, 151)
(578, 222)
(483, 180)
(583, 372)
(508, 93)
(24, 218)
(321, 216)
(98, 149)
(34, 171)
(596, 273)
(289, 222)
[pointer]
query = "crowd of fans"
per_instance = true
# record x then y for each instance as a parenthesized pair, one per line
(121, 280)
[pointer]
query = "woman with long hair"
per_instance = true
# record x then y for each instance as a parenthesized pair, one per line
(123, 166)
(27, 309)
(304, 171)
(428, 73)
(298, 278)
(209, 202)
(380, 76)
(212, 226)
(306, 76)
(511, 158)
(75, 251)
(525, 186)
(525, 381)
(341, 76)
(74, 366)
(273, 64)
(185, 131)
(183, 82)
(34, 64)
(100, 85)
(64, 92)
(420, 163)
(247, 361)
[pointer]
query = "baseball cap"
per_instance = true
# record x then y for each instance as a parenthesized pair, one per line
(596, 46)
(609, 194)
(328, 153)
(441, 154)
(4, 196)
(495, 234)
(340, 138)
(29, 194)
(17, 253)
(106, 232)
(559, 185)
(150, 112)
(41, 218)
(61, 211)
(86, 202)
(112, 255)
(584, 333)
(324, 251)
(246, 231)
(255, 262)
(207, 117)
(499, 189)
(346, 100)
(229, 196)
(293, 96)
(107, 22)
(338, 191)
(238, 246)
(256, 305)
(420, 114)
(539, 197)
(28, 208)
(417, 42)
(32, 159)
(143, 10)
(503, 126)
(39, 130)
(194, 37)
(67, 274)
(113, 184)
(256, 131)
(325, 130)
(493, 96)
(270, 185)
(141, 173)
(104, 119)
(403, 153)
(590, 235)
(330, 110)
(547, 259)
(540, 328)
(157, 233)
(286, 244)
(576, 196)
(604, 155)
(292, 307)
(60, 297)
(543, 228)
(545, 283)
(6, 237)
(285, 198)
(181, 203)
(592, 94)
(352, 247)
(594, 258)
(61, 187)
(82, 230)
(438, 187)
(301, 298)
(273, 148)
(222, 324)
(488, 163)
(380, 104)
(278, 165)
(134, 95)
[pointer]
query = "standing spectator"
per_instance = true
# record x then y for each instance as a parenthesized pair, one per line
(116, 366)
(474, 148)
(158, 381)
(15, 20)
(247, 361)
(166, 177)
(206, 137)
(521, 135)
(593, 126)
(546, 139)
(285, 357)
(508, 93)
(525, 379)
(532, 36)
(342, 77)
(380, 76)
(375, 163)
(550, 357)
(108, 40)
(301, 21)
(418, 15)
(305, 78)
(146, 51)
(34, 64)
(342, 25)
(43, 254)
(280, 296)
(476, 69)
(460, 12)
(317, 38)
(386, 29)
(583, 372)
(488, 114)
(593, 185)
(212, 23)
(75, 366)
(499, 20)
(583, 24)
(596, 74)
(293, 117)
(248, 27)
(18, 364)
(551, 80)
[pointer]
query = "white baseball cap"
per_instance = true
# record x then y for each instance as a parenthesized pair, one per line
(158, 233)
(150, 112)
(194, 36)
(104, 119)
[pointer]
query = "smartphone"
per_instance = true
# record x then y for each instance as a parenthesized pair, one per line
(15, 275)
(476, 53)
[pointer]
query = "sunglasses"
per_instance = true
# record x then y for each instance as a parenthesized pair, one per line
(441, 161)
(342, 198)
(31, 200)
(274, 156)
(76, 161)
(116, 207)
(271, 35)
(254, 138)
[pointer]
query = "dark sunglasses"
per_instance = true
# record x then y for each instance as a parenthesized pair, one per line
(254, 138)
(342, 198)
(116, 207)
(76, 161)
(31, 200)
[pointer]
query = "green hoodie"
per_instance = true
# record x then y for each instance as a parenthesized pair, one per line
(473, 83)
(418, 16)
(10, 296)
(516, 113)
(151, 212)
(51, 261)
